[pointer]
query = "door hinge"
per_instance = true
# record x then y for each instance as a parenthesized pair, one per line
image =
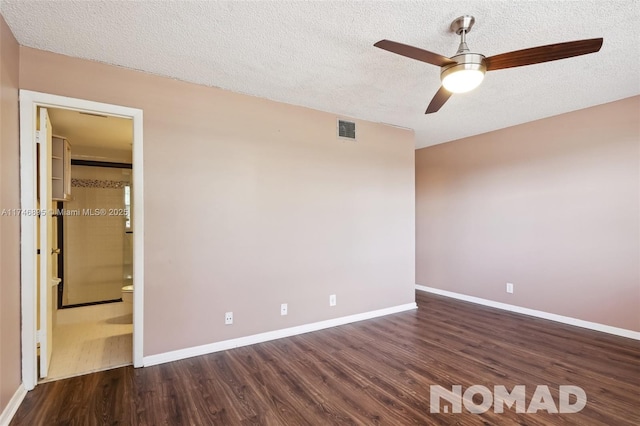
(37, 136)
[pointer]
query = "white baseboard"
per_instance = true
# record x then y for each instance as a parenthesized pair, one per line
(535, 313)
(270, 335)
(11, 408)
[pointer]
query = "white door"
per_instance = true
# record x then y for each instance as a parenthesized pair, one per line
(45, 332)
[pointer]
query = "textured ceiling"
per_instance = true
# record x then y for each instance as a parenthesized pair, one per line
(321, 54)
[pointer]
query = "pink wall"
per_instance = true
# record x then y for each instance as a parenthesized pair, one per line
(251, 203)
(551, 206)
(9, 226)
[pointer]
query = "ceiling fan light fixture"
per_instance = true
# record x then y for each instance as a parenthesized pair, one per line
(462, 81)
(462, 77)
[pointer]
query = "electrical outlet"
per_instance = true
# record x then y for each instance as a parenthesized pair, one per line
(283, 309)
(228, 318)
(510, 288)
(332, 300)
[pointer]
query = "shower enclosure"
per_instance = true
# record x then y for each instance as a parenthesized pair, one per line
(97, 235)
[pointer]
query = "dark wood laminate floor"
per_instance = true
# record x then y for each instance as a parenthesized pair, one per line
(367, 373)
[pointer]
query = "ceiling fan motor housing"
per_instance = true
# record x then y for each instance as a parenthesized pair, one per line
(464, 61)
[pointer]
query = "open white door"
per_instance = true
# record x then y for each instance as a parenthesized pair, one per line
(45, 223)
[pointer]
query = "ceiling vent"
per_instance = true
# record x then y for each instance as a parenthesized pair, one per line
(346, 129)
(94, 115)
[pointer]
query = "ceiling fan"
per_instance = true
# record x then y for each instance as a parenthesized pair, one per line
(465, 70)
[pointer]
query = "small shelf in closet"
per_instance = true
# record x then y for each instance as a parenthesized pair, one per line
(60, 169)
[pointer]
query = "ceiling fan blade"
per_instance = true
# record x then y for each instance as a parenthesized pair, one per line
(441, 96)
(413, 52)
(536, 55)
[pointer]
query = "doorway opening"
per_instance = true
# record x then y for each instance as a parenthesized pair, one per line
(93, 243)
(81, 261)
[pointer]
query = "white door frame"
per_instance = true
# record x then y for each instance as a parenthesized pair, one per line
(29, 101)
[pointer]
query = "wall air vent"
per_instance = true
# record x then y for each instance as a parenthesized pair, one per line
(346, 129)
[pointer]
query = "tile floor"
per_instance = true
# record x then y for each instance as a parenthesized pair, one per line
(91, 345)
